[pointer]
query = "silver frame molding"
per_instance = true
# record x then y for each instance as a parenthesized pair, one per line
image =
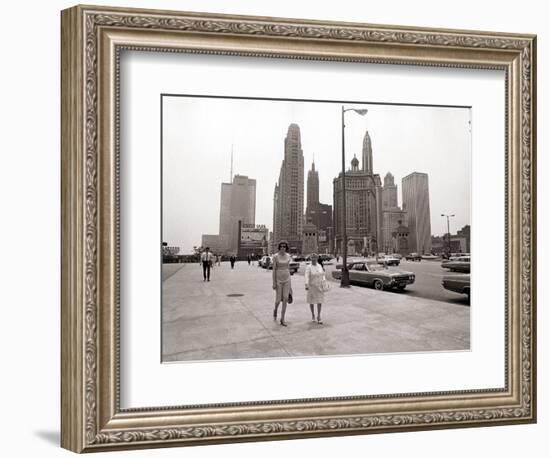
(92, 39)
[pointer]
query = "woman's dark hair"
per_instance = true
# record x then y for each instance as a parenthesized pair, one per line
(281, 243)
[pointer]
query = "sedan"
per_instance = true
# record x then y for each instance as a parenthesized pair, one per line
(391, 260)
(293, 265)
(457, 283)
(264, 262)
(460, 264)
(376, 275)
(413, 257)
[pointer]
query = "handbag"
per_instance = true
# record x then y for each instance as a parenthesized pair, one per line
(290, 298)
(325, 285)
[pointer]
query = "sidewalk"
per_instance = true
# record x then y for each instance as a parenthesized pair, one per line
(202, 321)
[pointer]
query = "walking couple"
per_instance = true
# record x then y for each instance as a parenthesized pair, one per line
(315, 283)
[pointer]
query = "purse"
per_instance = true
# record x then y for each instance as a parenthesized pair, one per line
(290, 298)
(325, 285)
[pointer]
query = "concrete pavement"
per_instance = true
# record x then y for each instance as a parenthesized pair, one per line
(231, 317)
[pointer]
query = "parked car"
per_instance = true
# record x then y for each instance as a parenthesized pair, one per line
(460, 264)
(413, 257)
(457, 283)
(430, 257)
(299, 258)
(321, 257)
(354, 259)
(366, 273)
(390, 260)
(293, 266)
(265, 261)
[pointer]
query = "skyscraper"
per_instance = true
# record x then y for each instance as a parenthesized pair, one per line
(276, 220)
(389, 192)
(289, 213)
(364, 212)
(367, 153)
(312, 187)
(416, 202)
(363, 207)
(318, 214)
(238, 203)
(393, 216)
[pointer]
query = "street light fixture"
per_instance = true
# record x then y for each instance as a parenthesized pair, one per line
(344, 282)
(448, 232)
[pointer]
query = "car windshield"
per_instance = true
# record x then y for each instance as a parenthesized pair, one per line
(374, 267)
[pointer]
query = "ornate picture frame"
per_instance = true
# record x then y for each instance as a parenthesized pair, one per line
(92, 40)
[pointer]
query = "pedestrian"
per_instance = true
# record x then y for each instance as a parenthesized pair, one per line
(232, 260)
(315, 286)
(281, 280)
(249, 259)
(206, 261)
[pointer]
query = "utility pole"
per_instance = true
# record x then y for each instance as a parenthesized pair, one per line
(448, 232)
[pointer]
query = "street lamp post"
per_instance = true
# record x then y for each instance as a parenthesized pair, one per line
(448, 232)
(344, 282)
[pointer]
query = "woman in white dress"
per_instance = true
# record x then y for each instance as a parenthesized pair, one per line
(315, 276)
(281, 279)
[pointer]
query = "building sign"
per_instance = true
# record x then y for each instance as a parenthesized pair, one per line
(253, 233)
(253, 239)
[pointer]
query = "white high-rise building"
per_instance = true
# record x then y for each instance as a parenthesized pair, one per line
(416, 202)
(238, 203)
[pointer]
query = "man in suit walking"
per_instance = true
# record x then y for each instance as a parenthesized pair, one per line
(206, 260)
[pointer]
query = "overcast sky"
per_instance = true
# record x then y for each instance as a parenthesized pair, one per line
(198, 134)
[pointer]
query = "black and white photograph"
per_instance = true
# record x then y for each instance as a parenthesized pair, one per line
(303, 228)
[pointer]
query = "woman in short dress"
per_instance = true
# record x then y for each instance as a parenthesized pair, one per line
(281, 279)
(315, 275)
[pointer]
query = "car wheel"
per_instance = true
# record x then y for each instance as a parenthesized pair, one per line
(378, 284)
(401, 287)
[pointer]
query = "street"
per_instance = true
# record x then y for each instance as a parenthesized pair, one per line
(429, 275)
(230, 317)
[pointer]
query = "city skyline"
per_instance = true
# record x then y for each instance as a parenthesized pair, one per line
(435, 129)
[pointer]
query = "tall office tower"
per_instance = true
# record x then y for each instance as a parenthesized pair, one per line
(238, 203)
(389, 192)
(318, 214)
(416, 202)
(290, 212)
(275, 235)
(364, 216)
(367, 154)
(312, 188)
(393, 216)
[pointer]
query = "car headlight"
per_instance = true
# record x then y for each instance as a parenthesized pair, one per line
(411, 277)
